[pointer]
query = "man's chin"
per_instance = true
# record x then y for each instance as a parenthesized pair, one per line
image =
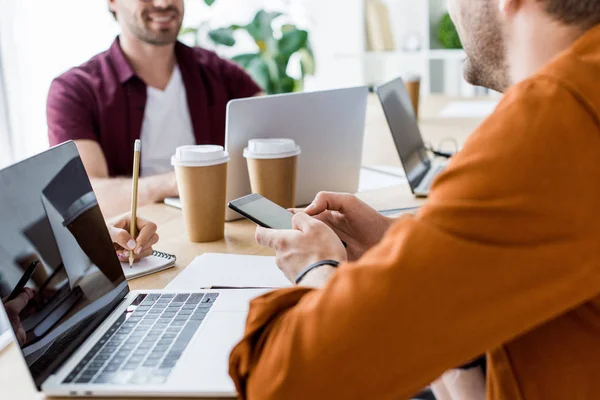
(494, 80)
(161, 39)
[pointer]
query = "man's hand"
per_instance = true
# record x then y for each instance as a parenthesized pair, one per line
(13, 309)
(309, 241)
(142, 246)
(357, 224)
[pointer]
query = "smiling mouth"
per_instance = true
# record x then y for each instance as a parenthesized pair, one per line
(162, 18)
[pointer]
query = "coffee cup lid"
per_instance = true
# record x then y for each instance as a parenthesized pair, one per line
(271, 148)
(199, 156)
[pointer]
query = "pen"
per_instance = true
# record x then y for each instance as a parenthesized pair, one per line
(137, 148)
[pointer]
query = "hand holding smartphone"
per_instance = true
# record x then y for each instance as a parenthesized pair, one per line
(263, 212)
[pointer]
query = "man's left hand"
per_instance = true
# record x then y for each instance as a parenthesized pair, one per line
(309, 241)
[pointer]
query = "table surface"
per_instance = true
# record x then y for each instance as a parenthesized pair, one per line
(379, 149)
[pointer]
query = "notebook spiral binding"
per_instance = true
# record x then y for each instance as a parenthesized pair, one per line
(162, 255)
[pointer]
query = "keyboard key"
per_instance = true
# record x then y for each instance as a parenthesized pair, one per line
(131, 366)
(167, 296)
(189, 306)
(181, 298)
(111, 368)
(195, 298)
(169, 336)
(70, 377)
(103, 378)
(210, 298)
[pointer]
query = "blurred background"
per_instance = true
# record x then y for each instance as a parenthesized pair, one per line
(322, 44)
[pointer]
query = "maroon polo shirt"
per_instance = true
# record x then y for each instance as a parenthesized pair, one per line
(103, 100)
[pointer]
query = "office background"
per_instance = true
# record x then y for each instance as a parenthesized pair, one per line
(354, 42)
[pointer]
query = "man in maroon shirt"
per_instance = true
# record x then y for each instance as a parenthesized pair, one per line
(149, 86)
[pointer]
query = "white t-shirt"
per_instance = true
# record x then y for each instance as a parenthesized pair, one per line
(166, 126)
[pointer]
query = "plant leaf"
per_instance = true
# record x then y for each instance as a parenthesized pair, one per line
(287, 84)
(259, 71)
(292, 41)
(260, 28)
(307, 62)
(209, 2)
(245, 59)
(222, 36)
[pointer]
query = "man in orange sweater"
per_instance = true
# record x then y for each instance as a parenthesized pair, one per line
(504, 258)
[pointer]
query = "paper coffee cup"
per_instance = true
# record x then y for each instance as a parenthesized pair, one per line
(273, 169)
(201, 173)
(413, 87)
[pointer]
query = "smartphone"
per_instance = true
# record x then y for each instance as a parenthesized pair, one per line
(23, 281)
(263, 212)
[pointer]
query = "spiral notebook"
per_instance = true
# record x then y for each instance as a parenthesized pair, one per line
(158, 261)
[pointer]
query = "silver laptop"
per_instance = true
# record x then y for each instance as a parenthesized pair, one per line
(421, 169)
(84, 333)
(328, 125)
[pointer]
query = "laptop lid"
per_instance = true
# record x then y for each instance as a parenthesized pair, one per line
(56, 252)
(400, 116)
(328, 126)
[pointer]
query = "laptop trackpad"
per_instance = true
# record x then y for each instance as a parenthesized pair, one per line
(204, 366)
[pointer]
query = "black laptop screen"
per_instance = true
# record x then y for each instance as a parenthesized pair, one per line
(59, 275)
(405, 130)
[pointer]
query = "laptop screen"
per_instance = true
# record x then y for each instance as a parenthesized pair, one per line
(59, 274)
(405, 130)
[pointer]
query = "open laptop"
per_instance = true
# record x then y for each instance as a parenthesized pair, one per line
(85, 333)
(420, 168)
(327, 125)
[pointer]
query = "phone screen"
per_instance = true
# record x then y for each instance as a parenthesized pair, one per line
(267, 212)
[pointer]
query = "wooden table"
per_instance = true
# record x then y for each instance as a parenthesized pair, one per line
(15, 381)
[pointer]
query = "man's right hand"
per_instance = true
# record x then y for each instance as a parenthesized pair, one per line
(357, 224)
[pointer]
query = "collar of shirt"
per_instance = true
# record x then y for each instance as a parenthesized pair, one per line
(197, 91)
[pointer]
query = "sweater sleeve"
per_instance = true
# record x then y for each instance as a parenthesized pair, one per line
(496, 252)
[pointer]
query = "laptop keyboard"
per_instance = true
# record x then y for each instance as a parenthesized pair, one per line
(144, 347)
(436, 170)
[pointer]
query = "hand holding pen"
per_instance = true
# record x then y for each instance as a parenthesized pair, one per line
(125, 244)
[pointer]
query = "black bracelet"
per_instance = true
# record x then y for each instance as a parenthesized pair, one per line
(302, 274)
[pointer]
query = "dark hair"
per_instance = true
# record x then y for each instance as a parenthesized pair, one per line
(584, 13)
(114, 14)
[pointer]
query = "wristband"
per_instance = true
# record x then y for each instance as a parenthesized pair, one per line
(302, 274)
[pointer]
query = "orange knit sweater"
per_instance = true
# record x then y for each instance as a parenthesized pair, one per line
(503, 259)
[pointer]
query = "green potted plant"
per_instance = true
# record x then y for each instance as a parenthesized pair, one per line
(276, 50)
(447, 34)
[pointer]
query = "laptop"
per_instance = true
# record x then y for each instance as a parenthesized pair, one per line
(85, 333)
(421, 169)
(327, 125)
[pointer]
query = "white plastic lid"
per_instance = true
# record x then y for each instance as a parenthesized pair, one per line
(199, 156)
(271, 148)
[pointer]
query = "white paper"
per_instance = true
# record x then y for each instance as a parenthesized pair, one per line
(146, 266)
(229, 270)
(469, 109)
(371, 179)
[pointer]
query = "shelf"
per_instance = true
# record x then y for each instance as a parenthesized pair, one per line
(447, 54)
